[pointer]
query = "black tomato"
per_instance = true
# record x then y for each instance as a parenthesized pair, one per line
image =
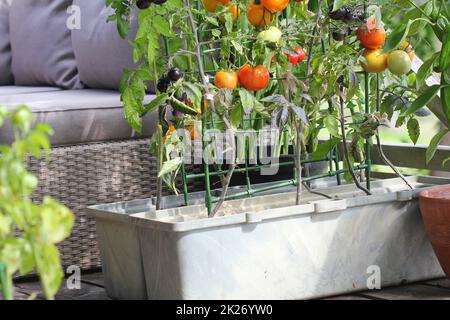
(143, 4)
(338, 14)
(163, 84)
(174, 74)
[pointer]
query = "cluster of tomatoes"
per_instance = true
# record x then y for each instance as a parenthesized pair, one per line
(347, 15)
(373, 37)
(259, 12)
(164, 82)
(251, 78)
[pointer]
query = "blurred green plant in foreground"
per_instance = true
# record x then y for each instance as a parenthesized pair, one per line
(29, 232)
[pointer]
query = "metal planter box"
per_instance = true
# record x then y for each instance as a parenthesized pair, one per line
(119, 243)
(269, 248)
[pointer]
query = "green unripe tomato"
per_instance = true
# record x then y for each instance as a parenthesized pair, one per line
(273, 34)
(399, 62)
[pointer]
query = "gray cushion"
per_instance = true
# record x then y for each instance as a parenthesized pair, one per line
(11, 90)
(5, 48)
(100, 52)
(79, 116)
(41, 44)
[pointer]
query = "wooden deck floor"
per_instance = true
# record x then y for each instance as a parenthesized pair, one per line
(92, 288)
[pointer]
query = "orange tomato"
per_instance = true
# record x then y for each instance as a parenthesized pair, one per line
(257, 15)
(194, 127)
(168, 133)
(373, 38)
(205, 106)
(275, 5)
(211, 5)
(234, 10)
(226, 80)
(253, 79)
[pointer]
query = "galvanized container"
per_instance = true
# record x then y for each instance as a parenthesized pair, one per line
(120, 249)
(119, 243)
(267, 247)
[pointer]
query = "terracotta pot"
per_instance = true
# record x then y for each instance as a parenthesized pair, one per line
(435, 208)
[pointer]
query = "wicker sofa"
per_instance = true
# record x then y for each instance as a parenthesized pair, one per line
(69, 79)
(94, 159)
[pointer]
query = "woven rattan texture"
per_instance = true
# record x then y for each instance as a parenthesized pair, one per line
(84, 175)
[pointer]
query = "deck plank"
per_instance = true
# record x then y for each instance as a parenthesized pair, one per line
(349, 297)
(64, 293)
(93, 278)
(441, 283)
(409, 292)
(92, 289)
(18, 295)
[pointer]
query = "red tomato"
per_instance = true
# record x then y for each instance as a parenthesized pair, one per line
(373, 38)
(253, 79)
(298, 57)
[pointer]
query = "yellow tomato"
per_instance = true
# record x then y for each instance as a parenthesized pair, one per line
(376, 60)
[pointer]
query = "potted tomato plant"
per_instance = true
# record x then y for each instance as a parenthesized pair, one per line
(226, 68)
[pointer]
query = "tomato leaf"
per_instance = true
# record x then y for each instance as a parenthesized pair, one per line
(425, 70)
(434, 143)
(193, 93)
(445, 100)
(301, 113)
(132, 108)
(276, 99)
(238, 47)
(339, 4)
(162, 26)
(155, 103)
(247, 100)
(122, 27)
(153, 47)
(413, 129)
(170, 166)
(325, 148)
(444, 60)
(396, 37)
(236, 115)
(332, 125)
(399, 34)
(423, 99)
